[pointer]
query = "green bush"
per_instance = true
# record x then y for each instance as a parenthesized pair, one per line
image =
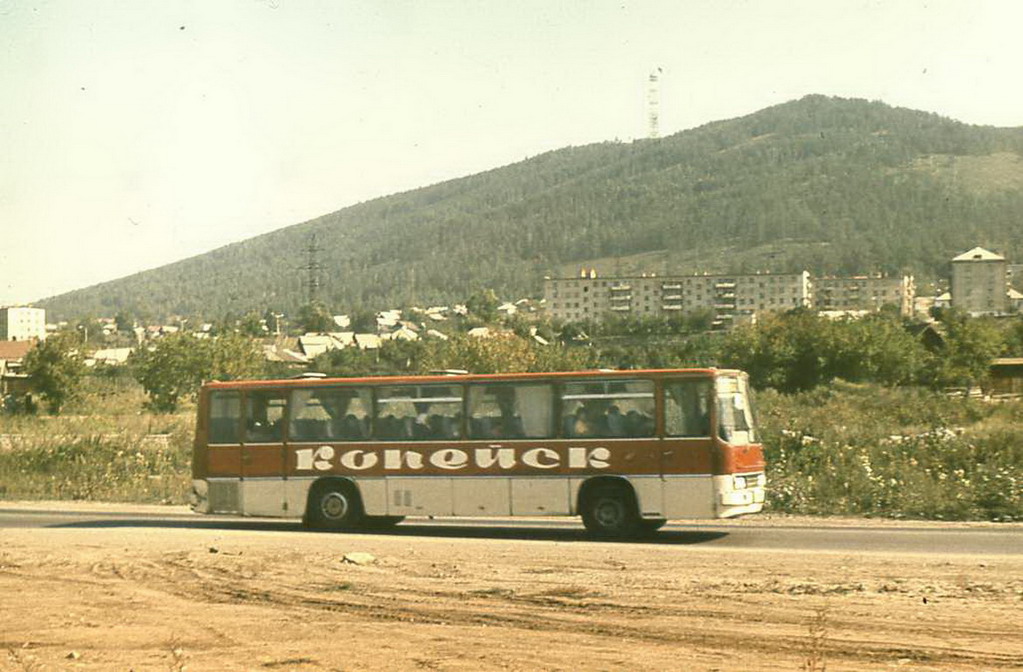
(868, 450)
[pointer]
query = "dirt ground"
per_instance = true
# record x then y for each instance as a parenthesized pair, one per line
(134, 598)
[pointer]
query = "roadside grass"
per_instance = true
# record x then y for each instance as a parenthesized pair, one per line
(901, 453)
(104, 448)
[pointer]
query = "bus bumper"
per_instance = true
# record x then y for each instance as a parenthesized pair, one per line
(740, 494)
(199, 498)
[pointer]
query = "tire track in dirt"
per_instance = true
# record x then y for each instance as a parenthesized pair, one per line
(185, 578)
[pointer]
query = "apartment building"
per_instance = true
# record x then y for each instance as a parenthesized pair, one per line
(729, 297)
(21, 323)
(864, 292)
(979, 282)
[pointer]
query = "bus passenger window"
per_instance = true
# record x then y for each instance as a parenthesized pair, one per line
(687, 408)
(225, 414)
(264, 418)
(510, 411)
(329, 414)
(615, 409)
(419, 413)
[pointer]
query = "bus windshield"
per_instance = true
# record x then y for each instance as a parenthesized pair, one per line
(735, 412)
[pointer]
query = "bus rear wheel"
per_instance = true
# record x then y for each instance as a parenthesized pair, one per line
(611, 512)
(334, 506)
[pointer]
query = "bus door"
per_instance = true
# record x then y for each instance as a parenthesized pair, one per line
(223, 452)
(687, 457)
(262, 454)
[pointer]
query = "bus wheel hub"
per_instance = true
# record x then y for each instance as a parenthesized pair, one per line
(334, 505)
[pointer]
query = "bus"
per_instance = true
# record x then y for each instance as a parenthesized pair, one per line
(625, 450)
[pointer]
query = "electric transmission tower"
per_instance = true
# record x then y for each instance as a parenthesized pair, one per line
(653, 103)
(312, 269)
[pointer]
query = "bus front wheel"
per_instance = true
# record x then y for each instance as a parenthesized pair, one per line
(611, 512)
(334, 506)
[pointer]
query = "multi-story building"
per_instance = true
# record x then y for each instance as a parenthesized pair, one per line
(864, 293)
(21, 323)
(979, 282)
(728, 297)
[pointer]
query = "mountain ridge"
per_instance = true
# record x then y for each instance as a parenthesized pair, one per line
(852, 185)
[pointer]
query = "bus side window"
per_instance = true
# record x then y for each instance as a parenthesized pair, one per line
(329, 414)
(511, 411)
(225, 414)
(609, 409)
(264, 419)
(687, 408)
(418, 413)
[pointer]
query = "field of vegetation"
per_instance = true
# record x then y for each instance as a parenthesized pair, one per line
(104, 447)
(839, 449)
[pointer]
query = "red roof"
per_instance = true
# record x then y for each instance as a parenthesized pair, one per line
(15, 349)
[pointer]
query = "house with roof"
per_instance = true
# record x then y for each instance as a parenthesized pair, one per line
(403, 333)
(367, 341)
(12, 354)
(1005, 377)
(109, 357)
(279, 352)
(1015, 299)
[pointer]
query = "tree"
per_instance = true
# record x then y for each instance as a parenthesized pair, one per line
(125, 321)
(800, 350)
(363, 321)
(483, 304)
(314, 318)
(55, 369)
(175, 367)
(970, 345)
(252, 325)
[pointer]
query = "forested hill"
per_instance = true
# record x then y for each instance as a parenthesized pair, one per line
(825, 184)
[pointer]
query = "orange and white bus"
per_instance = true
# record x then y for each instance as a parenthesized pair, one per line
(626, 450)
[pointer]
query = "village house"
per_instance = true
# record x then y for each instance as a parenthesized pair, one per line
(12, 354)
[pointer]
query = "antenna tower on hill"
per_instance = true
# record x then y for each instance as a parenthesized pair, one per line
(653, 103)
(312, 269)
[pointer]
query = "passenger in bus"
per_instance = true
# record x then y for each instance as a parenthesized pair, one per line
(390, 427)
(635, 422)
(351, 429)
(578, 424)
(446, 427)
(515, 428)
(264, 431)
(421, 425)
(615, 422)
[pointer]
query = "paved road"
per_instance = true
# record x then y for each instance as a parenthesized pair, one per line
(748, 534)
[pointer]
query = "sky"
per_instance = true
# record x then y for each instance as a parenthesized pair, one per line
(135, 133)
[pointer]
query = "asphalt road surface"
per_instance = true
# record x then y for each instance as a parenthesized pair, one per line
(773, 534)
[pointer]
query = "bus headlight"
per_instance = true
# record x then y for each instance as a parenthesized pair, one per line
(739, 482)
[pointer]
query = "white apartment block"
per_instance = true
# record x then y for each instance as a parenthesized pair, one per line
(979, 282)
(864, 293)
(21, 323)
(729, 297)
